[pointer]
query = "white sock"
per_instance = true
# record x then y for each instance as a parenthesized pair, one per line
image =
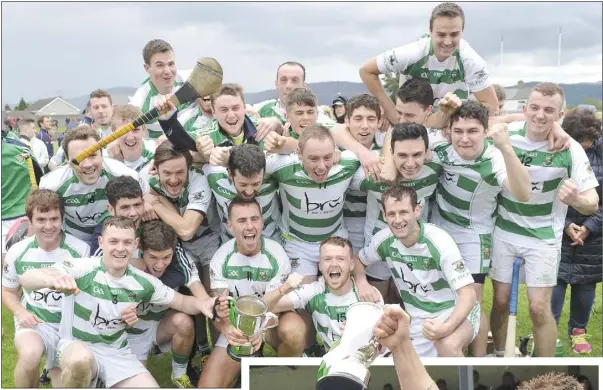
(179, 364)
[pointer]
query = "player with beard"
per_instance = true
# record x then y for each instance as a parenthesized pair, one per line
(533, 229)
(475, 172)
(132, 149)
(98, 291)
(327, 300)
(82, 187)
(181, 197)
(267, 266)
(157, 325)
(312, 190)
(290, 75)
(244, 177)
(38, 312)
(430, 274)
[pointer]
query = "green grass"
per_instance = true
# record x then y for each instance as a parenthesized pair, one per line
(160, 366)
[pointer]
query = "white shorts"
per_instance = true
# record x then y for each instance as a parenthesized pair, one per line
(426, 348)
(141, 344)
(203, 248)
(303, 256)
(113, 365)
(477, 255)
(49, 335)
(379, 270)
(540, 268)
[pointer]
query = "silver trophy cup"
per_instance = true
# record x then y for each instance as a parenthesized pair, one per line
(346, 365)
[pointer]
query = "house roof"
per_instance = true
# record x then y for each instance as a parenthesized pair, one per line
(41, 103)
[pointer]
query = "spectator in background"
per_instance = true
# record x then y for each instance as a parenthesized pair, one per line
(339, 108)
(581, 251)
(501, 95)
(27, 135)
(508, 382)
(45, 124)
(476, 384)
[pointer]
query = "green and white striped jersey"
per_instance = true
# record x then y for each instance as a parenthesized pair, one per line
(224, 191)
(461, 73)
(424, 185)
(195, 195)
(192, 119)
(27, 255)
(328, 310)
(148, 151)
(146, 96)
(311, 211)
(354, 213)
(94, 314)
(220, 138)
(539, 222)
(243, 275)
(466, 196)
(85, 205)
(427, 274)
(151, 313)
(15, 178)
(272, 109)
(59, 157)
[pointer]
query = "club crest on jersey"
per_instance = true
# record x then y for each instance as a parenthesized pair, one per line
(589, 168)
(197, 195)
(263, 276)
(132, 296)
(426, 264)
(548, 161)
(212, 273)
(486, 253)
(458, 266)
(20, 158)
(294, 263)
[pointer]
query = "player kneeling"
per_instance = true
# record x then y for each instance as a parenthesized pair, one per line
(249, 264)
(157, 325)
(327, 300)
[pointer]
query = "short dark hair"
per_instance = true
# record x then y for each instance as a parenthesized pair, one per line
(228, 89)
(43, 200)
(314, 132)
(240, 201)
(398, 192)
(301, 97)
(292, 63)
(100, 93)
(364, 100)
(167, 151)
(416, 91)
(79, 133)
(153, 47)
(552, 381)
(41, 119)
(447, 10)
(582, 125)
(248, 159)
(122, 187)
(337, 241)
(471, 109)
(119, 222)
(409, 131)
(157, 235)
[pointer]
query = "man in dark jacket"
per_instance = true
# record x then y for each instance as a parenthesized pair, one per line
(580, 264)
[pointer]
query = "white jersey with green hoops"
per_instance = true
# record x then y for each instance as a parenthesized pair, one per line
(148, 151)
(466, 196)
(224, 191)
(85, 204)
(27, 255)
(424, 185)
(192, 118)
(462, 73)
(245, 275)
(311, 211)
(328, 310)
(539, 222)
(427, 274)
(146, 96)
(94, 314)
(272, 109)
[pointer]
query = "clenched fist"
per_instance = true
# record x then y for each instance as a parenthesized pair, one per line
(293, 282)
(449, 104)
(165, 106)
(274, 142)
(568, 192)
(204, 145)
(499, 134)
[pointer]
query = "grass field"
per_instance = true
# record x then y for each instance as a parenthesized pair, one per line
(160, 366)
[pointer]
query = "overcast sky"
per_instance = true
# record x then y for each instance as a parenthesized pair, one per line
(72, 48)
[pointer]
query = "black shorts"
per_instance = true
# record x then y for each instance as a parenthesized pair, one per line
(479, 278)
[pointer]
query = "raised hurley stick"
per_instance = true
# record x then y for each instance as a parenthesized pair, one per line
(205, 79)
(32, 173)
(512, 322)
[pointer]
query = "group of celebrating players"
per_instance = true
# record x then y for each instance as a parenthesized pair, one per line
(279, 201)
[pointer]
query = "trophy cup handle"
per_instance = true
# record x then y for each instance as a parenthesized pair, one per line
(267, 317)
